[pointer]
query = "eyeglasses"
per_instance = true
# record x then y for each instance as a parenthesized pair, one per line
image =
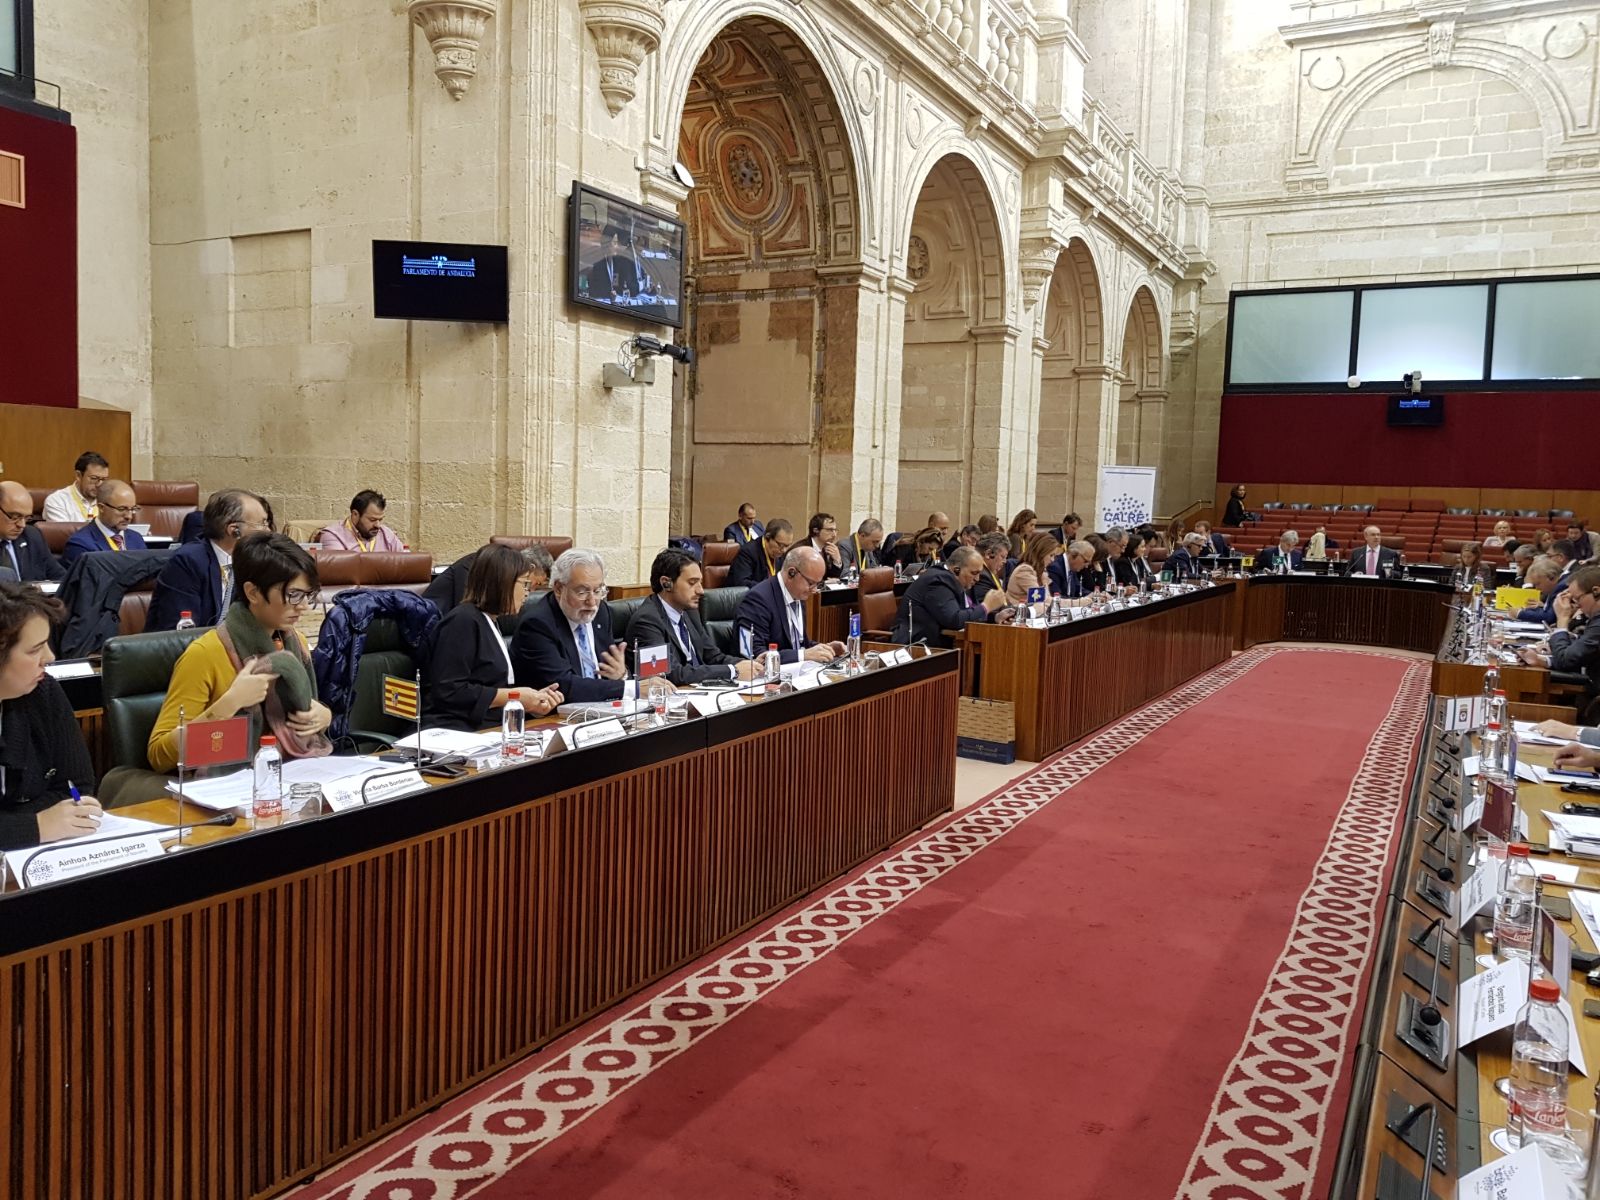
(117, 508)
(11, 516)
(588, 593)
(295, 596)
(813, 584)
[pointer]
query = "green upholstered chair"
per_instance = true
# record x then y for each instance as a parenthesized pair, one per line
(135, 672)
(718, 611)
(385, 653)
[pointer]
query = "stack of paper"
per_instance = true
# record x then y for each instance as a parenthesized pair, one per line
(451, 741)
(1528, 734)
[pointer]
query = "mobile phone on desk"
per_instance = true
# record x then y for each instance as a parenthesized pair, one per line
(1573, 809)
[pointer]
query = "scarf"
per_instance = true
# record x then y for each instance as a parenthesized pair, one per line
(247, 642)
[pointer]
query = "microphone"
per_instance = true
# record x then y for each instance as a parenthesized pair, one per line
(226, 818)
(1429, 1012)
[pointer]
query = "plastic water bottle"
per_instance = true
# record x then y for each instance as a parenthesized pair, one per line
(185, 620)
(1515, 907)
(1508, 754)
(1537, 1106)
(1491, 681)
(1491, 754)
(771, 667)
(513, 725)
(852, 646)
(266, 791)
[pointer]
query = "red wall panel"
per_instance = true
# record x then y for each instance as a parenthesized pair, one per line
(1488, 439)
(39, 279)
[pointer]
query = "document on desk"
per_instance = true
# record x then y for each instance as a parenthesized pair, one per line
(1587, 906)
(1586, 780)
(1528, 734)
(451, 741)
(220, 792)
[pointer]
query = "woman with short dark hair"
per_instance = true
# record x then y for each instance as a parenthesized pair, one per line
(42, 755)
(470, 676)
(254, 661)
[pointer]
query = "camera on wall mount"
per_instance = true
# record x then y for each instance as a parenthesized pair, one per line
(1413, 382)
(636, 365)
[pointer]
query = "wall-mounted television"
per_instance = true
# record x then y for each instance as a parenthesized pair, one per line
(624, 258)
(440, 281)
(1407, 409)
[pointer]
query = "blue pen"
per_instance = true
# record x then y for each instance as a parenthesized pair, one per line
(77, 796)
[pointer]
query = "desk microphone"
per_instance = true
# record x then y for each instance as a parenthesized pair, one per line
(1429, 1013)
(226, 818)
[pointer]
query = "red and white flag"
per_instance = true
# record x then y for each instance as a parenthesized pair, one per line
(652, 661)
(214, 743)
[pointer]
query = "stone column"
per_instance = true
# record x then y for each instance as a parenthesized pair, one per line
(850, 445)
(884, 493)
(1094, 435)
(1152, 403)
(990, 486)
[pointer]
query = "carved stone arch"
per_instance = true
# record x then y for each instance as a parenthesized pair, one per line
(1075, 309)
(996, 250)
(810, 59)
(1530, 77)
(1143, 346)
(1073, 378)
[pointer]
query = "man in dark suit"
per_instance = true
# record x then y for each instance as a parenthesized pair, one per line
(773, 612)
(1215, 544)
(1546, 577)
(761, 558)
(566, 639)
(1374, 558)
(822, 534)
(995, 551)
(116, 508)
(1575, 652)
(1272, 557)
(615, 276)
(862, 549)
(941, 600)
(967, 535)
(670, 617)
(450, 585)
(1067, 532)
(198, 578)
(1066, 570)
(1184, 562)
(22, 550)
(746, 528)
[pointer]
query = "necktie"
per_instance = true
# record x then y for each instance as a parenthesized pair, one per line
(116, 540)
(591, 670)
(688, 642)
(11, 549)
(227, 590)
(797, 620)
(1372, 561)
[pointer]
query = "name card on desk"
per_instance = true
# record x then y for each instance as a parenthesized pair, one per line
(1478, 889)
(71, 861)
(897, 658)
(344, 794)
(1462, 713)
(1526, 1175)
(596, 733)
(1472, 813)
(804, 681)
(1490, 1001)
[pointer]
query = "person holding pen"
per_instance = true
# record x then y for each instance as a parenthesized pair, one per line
(42, 751)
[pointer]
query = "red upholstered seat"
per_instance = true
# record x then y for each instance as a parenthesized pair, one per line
(521, 541)
(164, 503)
(719, 554)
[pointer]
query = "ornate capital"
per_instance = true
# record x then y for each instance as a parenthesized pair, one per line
(1038, 264)
(454, 29)
(624, 32)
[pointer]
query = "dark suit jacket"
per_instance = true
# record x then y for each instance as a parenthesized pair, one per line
(1218, 545)
(1267, 560)
(733, 533)
(935, 602)
(544, 652)
(987, 582)
(1122, 571)
(1358, 560)
(832, 570)
(764, 612)
(1235, 513)
(1062, 581)
(1140, 570)
(749, 566)
(864, 560)
(192, 581)
(450, 584)
(1182, 564)
(466, 671)
(33, 557)
(651, 626)
(1546, 612)
(1580, 653)
(89, 540)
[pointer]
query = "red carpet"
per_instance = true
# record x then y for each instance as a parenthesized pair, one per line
(1133, 973)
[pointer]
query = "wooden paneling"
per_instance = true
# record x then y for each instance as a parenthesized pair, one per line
(1586, 504)
(1362, 612)
(230, 1047)
(39, 444)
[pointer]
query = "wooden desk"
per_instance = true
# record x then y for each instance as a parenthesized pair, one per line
(828, 611)
(1070, 679)
(225, 1021)
(1402, 615)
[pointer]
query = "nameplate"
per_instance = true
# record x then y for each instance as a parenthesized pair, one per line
(897, 658)
(346, 793)
(596, 733)
(804, 681)
(1472, 812)
(1477, 891)
(1462, 713)
(70, 861)
(1529, 1174)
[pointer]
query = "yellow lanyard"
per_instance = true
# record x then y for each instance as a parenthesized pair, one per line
(361, 547)
(88, 510)
(995, 577)
(110, 540)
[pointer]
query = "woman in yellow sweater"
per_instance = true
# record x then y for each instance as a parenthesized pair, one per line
(253, 661)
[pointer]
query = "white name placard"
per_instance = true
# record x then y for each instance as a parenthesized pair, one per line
(596, 733)
(1526, 1175)
(807, 680)
(69, 862)
(346, 793)
(1477, 891)
(897, 658)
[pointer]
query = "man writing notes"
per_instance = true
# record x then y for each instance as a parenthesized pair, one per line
(1374, 558)
(76, 502)
(671, 618)
(199, 578)
(566, 638)
(759, 559)
(773, 612)
(22, 550)
(746, 528)
(109, 530)
(363, 530)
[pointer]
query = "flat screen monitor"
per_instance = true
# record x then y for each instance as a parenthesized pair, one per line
(1407, 409)
(439, 281)
(624, 258)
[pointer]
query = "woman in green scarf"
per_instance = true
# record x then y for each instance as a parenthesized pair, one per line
(254, 661)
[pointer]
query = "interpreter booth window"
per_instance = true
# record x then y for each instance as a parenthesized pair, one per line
(1546, 330)
(16, 43)
(1291, 337)
(1439, 331)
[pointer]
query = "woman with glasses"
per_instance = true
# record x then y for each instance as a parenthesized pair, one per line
(254, 661)
(470, 675)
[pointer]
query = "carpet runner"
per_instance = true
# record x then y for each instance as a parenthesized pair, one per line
(1134, 972)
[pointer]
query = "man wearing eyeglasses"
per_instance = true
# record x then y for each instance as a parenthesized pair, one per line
(774, 610)
(22, 550)
(565, 639)
(199, 577)
(76, 501)
(116, 511)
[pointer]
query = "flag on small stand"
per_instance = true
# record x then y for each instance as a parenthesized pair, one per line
(215, 743)
(400, 698)
(652, 661)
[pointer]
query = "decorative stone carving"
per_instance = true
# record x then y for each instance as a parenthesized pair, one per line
(917, 259)
(1038, 261)
(1441, 41)
(454, 29)
(624, 32)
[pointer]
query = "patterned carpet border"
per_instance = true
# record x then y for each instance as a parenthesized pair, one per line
(530, 1106)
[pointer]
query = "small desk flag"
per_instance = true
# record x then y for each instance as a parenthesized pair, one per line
(652, 661)
(213, 743)
(400, 698)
